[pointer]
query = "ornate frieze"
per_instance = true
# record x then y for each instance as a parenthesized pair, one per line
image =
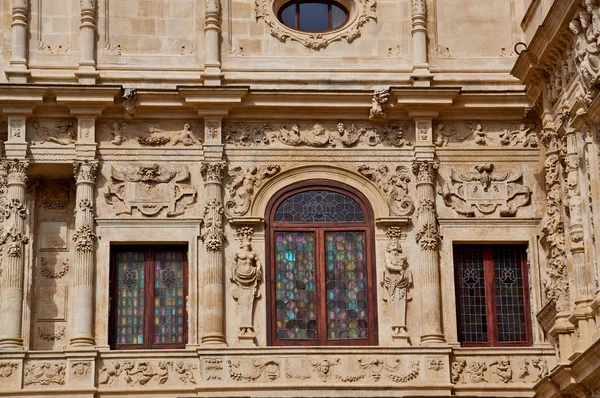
(246, 275)
(488, 135)
(150, 189)
(366, 11)
(241, 185)
(145, 134)
(253, 370)
(44, 373)
(146, 373)
(61, 133)
(394, 185)
(486, 190)
(319, 135)
(499, 371)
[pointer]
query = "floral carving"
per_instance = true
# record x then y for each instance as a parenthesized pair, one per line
(212, 234)
(150, 189)
(427, 236)
(153, 140)
(48, 334)
(394, 185)
(241, 186)
(47, 272)
(212, 172)
(253, 370)
(44, 374)
(486, 190)
(396, 281)
(8, 369)
(246, 274)
(84, 239)
(367, 11)
(80, 368)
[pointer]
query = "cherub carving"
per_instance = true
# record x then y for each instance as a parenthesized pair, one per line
(480, 135)
(186, 136)
(394, 185)
(458, 367)
(503, 370)
(541, 366)
(242, 184)
(116, 130)
(524, 136)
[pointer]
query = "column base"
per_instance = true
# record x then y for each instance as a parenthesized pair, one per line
(214, 339)
(433, 339)
(11, 343)
(82, 341)
(17, 75)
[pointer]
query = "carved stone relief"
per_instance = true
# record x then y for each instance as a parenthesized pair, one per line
(51, 334)
(146, 373)
(241, 185)
(319, 135)
(61, 133)
(49, 268)
(151, 134)
(253, 370)
(44, 373)
(485, 190)
(128, 97)
(80, 369)
(367, 11)
(380, 98)
(394, 185)
(8, 372)
(584, 48)
(397, 281)
(492, 135)
(500, 371)
(212, 369)
(150, 189)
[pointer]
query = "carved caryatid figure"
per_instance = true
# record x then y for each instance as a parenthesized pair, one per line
(242, 184)
(397, 281)
(246, 274)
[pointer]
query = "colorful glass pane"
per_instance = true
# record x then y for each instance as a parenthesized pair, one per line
(295, 285)
(169, 297)
(471, 299)
(319, 206)
(510, 301)
(346, 285)
(129, 328)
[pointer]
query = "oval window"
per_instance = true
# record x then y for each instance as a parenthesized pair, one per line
(313, 16)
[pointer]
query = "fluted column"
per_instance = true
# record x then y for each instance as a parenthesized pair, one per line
(212, 30)
(18, 71)
(421, 75)
(213, 291)
(87, 38)
(85, 239)
(428, 239)
(13, 239)
(582, 317)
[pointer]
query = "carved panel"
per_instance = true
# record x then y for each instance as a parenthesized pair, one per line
(146, 134)
(62, 133)
(44, 374)
(484, 191)
(53, 235)
(150, 190)
(147, 373)
(486, 135)
(9, 373)
(242, 184)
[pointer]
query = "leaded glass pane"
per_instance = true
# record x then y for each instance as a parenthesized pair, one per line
(510, 304)
(130, 298)
(346, 285)
(295, 285)
(319, 206)
(471, 296)
(169, 297)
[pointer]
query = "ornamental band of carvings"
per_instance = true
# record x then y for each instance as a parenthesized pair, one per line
(254, 370)
(486, 190)
(499, 371)
(501, 135)
(318, 135)
(366, 10)
(44, 374)
(145, 373)
(396, 281)
(150, 189)
(394, 185)
(61, 133)
(370, 368)
(241, 186)
(246, 274)
(153, 135)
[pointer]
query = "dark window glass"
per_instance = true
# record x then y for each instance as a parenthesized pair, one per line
(288, 16)
(319, 206)
(148, 305)
(313, 16)
(492, 302)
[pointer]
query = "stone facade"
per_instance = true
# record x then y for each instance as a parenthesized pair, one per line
(150, 122)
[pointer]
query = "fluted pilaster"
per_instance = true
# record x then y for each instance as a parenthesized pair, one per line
(213, 273)
(427, 238)
(84, 237)
(13, 239)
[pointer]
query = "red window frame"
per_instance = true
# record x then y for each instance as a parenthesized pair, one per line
(320, 229)
(490, 294)
(149, 271)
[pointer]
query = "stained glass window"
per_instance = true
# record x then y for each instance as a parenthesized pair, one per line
(319, 206)
(492, 302)
(149, 305)
(321, 270)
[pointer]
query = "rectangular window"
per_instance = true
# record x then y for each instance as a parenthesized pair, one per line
(149, 286)
(492, 299)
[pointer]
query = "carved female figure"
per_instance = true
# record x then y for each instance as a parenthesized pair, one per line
(397, 281)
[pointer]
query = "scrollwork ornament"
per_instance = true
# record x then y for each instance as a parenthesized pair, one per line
(394, 185)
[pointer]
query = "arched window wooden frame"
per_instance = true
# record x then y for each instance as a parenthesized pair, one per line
(320, 228)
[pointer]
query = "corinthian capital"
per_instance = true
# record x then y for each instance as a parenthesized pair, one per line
(212, 172)
(16, 171)
(88, 5)
(20, 5)
(419, 7)
(425, 171)
(85, 172)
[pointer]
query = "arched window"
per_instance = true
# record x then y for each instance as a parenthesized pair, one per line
(321, 268)
(313, 15)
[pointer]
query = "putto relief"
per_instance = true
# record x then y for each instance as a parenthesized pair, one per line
(394, 184)
(150, 134)
(316, 135)
(54, 133)
(241, 184)
(502, 370)
(486, 135)
(147, 373)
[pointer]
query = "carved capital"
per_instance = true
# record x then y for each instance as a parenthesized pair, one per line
(425, 171)
(85, 172)
(212, 172)
(88, 5)
(16, 171)
(419, 7)
(20, 5)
